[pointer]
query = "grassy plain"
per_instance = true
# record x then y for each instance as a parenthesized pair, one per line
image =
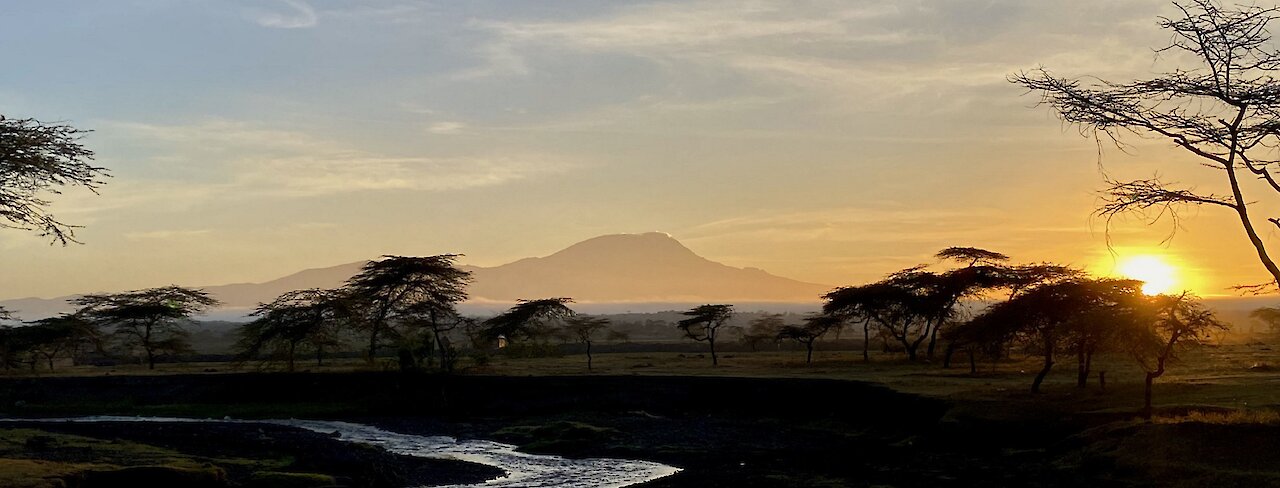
(745, 423)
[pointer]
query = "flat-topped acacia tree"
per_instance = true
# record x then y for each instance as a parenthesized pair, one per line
(37, 160)
(527, 319)
(704, 325)
(150, 319)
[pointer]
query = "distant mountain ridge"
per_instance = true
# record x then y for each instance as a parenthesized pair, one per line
(622, 268)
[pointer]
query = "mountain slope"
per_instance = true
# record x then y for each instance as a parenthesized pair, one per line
(651, 267)
(635, 268)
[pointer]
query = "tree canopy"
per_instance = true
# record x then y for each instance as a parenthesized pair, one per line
(149, 319)
(38, 160)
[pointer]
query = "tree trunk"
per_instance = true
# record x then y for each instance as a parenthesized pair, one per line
(151, 359)
(293, 348)
(973, 361)
(1048, 364)
(588, 355)
(946, 356)
(373, 345)
(866, 341)
(714, 361)
(808, 358)
(319, 355)
(933, 340)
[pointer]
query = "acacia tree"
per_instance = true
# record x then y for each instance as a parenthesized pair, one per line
(1051, 314)
(761, 329)
(37, 160)
(814, 328)
(150, 319)
(704, 324)
(584, 329)
(528, 319)
(61, 336)
(1223, 110)
(858, 304)
(1270, 316)
(1178, 321)
(297, 318)
(398, 286)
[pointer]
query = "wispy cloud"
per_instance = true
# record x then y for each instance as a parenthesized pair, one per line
(288, 14)
(446, 127)
(250, 159)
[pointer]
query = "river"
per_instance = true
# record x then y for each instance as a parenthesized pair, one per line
(523, 469)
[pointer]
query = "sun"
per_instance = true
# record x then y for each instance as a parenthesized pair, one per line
(1157, 275)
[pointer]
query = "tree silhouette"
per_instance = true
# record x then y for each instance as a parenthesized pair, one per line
(389, 288)
(1225, 111)
(704, 323)
(61, 336)
(1267, 315)
(37, 160)
(1178, 321)
(761, 329)
(860, 304)
(1049, 314)
(814, 328)
(301, 317)
(149, 319)
(584, 328)
(528, 319)
(972, 256)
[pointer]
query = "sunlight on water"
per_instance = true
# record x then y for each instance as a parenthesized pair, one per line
(523, 470)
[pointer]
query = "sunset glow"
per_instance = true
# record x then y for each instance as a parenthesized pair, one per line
(1157, 275)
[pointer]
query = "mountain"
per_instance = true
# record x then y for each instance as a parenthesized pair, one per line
(621, 268)
(650, 267)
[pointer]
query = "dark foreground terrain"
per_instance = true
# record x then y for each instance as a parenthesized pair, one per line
(740, 432)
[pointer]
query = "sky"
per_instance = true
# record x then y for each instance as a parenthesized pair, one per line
(831, 142)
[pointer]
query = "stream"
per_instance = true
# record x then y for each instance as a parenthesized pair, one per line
(523, 469)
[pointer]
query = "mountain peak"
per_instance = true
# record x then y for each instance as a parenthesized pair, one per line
(641, 247)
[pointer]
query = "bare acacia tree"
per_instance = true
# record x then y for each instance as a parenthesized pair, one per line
(36, 161)
(1225, 110)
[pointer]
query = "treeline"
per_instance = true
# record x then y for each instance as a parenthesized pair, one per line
(407, 304)
(976, 304)
(984, 307)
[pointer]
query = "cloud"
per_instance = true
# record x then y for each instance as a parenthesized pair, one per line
(355, 172)
(251, 159)
(446, 127)
(298, 14)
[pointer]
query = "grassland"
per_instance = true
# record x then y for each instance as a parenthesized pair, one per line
(764, 418)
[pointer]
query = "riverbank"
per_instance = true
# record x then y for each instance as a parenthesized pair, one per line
(144, 454)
